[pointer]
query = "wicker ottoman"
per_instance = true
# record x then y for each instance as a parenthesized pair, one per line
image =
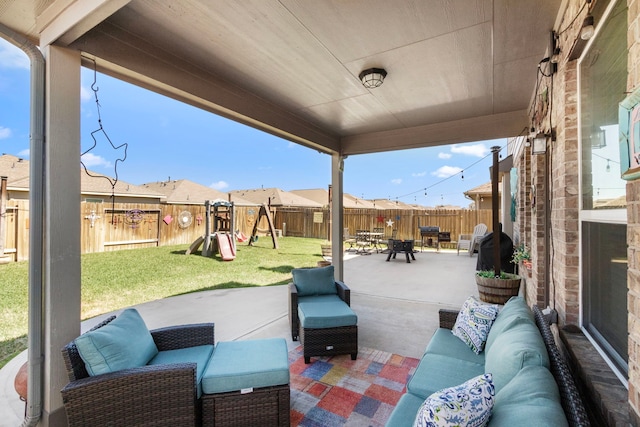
(246, 383)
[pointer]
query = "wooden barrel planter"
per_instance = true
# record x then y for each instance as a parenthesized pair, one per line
(497, 290)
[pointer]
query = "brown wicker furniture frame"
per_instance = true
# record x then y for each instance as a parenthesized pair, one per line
(571, 401)
(325, 341)
(159, 395)
(267, 406)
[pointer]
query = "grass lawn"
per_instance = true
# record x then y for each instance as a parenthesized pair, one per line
(113, 280)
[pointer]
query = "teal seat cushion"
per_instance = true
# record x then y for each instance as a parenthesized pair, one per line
(123, 343)
(530, 397)
(515, 308)
(325, 313)
(200, 355)
(245, 365)
(518, 346)
(436, 372)
(404, 414)
(314, 281)
(445, 343)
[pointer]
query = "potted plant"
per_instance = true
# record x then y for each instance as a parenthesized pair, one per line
(521, 254)
(325, 248)
(497, 289)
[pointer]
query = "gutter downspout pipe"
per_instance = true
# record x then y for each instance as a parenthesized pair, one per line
(36, 235)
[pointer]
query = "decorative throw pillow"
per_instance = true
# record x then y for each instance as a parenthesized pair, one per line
(474, 323)
(468, 404)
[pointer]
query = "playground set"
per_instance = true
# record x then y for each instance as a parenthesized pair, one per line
(218, 231)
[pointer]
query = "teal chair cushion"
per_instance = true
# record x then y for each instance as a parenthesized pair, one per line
(445, 343)
(314, 281)
(123, 343)
(515, 308)
(519, 346)
(325, 313)
(531, 395)
(244, 365)
(200, 355)
(436, 372)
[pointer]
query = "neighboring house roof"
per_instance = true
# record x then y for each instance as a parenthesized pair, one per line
(96, 184)
(275, 197)
(482, 190)
(390, 204)
(320, 195)
(185, 192)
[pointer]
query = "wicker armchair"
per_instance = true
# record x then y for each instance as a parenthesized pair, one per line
(159, 395)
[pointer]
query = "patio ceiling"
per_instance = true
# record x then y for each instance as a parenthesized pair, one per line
(458, 70)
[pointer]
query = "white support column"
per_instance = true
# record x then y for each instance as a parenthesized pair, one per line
(62, 285)
(337, 215)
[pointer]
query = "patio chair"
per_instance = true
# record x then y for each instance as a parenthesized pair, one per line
(378, 239)
(464, 242)
(320, 314)
(363, 241)
(154, 394)
(478, 232)
(348, 238)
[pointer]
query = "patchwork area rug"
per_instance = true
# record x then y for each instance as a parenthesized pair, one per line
(338, 391)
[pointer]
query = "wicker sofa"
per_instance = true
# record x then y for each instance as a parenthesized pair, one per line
(320, 314)
(159, 394)
(533, 385)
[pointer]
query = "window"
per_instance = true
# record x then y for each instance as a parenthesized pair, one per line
(602, 82)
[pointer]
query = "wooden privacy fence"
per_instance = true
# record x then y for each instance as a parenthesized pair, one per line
(314, 222)
(107, 227)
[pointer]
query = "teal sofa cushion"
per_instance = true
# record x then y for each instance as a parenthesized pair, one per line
(244, 365)
(123, 343)
(314, 281)
(325, 313)
(436, 372)
(518, 346)
(515, 308)
(404, 414)
(445, 343)
(531, 395)
(200, 355)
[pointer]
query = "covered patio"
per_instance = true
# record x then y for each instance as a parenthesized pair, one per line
(397, 306)
(552, 73)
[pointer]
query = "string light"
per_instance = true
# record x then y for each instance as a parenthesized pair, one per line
(462, 174)
(608, 166)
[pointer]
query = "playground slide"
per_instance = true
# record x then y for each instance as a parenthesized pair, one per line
(225, 246)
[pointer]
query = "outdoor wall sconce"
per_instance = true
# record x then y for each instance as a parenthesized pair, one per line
(539, 144)
(372, 77)
(587, 30)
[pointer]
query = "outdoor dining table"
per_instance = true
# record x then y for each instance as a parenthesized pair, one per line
(397, 246)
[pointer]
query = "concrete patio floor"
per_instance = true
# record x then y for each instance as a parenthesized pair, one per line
(397, 306)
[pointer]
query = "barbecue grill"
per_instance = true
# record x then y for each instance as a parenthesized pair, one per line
(433, 235)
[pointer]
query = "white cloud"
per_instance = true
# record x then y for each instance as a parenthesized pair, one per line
(477, 150)
(12, 57)
(220, 185)
(24, 153)
(91, 160)
(85, 94)
(444, 155)
(396, 181)
(446, 171)
(4, 132)
(418, 174)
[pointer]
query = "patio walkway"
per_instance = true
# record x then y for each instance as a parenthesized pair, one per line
(397, 306)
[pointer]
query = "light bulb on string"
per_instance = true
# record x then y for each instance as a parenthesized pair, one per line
(462, 174)
(608, 166)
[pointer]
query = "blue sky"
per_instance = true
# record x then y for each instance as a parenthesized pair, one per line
(167, 138)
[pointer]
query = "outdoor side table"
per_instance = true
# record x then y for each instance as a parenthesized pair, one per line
(247, 383)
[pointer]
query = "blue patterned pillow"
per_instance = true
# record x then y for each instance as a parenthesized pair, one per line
(474, 323)
(468, 404)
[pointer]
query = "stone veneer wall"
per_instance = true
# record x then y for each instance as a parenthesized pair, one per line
(633, 224)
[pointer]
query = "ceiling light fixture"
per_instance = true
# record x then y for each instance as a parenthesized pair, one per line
(372, 77)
